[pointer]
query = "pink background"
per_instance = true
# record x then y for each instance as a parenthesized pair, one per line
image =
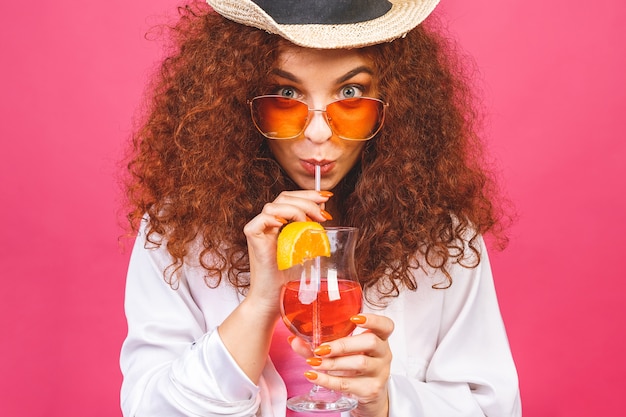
(72, 75)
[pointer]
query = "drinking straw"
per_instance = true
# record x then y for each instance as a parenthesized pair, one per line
(317, 276)
(318, 178)
(310, 284)
(331, 278)
(317, 268)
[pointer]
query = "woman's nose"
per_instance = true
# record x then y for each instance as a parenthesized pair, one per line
(318, 130)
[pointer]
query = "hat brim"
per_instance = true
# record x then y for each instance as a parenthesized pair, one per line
(400, 19)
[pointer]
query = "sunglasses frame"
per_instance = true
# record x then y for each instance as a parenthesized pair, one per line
(310, 111)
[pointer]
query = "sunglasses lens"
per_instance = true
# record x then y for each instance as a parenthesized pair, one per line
(279, 117)
(356, 118)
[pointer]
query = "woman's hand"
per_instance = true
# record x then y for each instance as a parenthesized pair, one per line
(247, 331)
(262, 232)
(358, 364)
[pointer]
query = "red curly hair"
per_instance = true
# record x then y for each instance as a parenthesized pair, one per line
(200, 168)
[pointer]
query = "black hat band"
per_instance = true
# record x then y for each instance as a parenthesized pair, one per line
(323, 12)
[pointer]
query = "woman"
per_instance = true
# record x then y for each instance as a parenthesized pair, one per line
(223, 160)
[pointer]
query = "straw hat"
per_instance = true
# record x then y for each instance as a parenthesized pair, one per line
(329, 24)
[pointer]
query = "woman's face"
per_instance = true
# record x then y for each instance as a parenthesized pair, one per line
(319, 77)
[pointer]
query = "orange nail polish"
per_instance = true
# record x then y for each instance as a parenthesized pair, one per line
(310, 375)
(358, 319)
(314, 361)
(326, 215)
(326, 193)
(308, 219)
(290, 339)
(280, 219)
(322, 350)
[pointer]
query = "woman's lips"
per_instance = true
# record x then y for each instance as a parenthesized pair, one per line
(309, 166)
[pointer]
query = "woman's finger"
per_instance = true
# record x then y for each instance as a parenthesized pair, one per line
(381, 326)
(301, 205)
(372, 342)
(301, 347)
(365, 388)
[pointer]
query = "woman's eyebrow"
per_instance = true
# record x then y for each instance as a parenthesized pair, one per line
(292, 77)
(286, 74)
(352, 73)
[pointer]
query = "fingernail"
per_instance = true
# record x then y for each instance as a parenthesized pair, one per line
(310, 375)
(280, 219)
(308, 219)
(326, 193)
(314, 361)
(290, 339)
(326, 215)
(322, 350)
(358, 319)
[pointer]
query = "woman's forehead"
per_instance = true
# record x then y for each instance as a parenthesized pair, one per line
(322, 62)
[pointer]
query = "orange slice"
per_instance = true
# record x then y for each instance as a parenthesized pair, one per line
(296, 243)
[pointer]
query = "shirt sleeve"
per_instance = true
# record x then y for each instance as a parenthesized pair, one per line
(471, 372)
(172, 365)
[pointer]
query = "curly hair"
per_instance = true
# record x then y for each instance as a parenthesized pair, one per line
(199, 169)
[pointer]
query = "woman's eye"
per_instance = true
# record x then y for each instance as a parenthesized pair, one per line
(287, 92)
(351, 91)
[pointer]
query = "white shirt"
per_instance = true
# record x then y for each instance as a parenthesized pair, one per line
(451, 356)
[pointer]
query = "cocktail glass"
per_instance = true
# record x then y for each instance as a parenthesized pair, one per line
(316, 305)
